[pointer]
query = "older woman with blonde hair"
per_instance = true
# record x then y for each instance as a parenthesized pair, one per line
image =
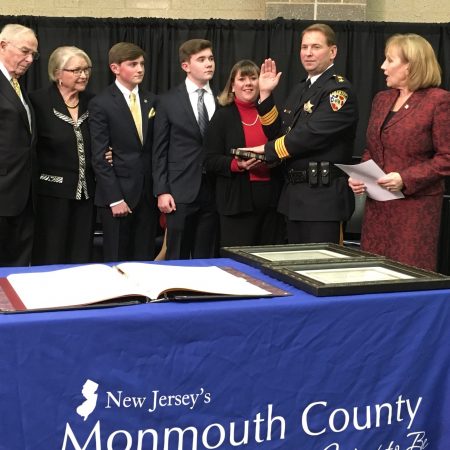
(408, 136)
(65, 215)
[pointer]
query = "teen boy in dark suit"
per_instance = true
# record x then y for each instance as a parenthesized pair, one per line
(183, 189)
(122, 117)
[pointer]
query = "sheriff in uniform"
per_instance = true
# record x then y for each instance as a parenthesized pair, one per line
(315, 130)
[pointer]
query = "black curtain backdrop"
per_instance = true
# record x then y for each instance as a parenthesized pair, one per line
(360, 49)
(360, 55)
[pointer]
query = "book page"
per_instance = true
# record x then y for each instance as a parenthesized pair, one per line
(74, 286)
(155, 279)
(94, 283)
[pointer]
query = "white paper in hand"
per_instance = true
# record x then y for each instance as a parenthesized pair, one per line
(369, 172)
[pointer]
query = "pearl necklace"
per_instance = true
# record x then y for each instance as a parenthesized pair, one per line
(250, 124)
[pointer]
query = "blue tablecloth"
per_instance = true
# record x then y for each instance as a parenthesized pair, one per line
(366, 372)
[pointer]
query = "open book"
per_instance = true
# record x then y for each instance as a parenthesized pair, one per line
(96, 283)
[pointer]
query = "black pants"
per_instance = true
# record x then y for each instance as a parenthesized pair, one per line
(261, 226)
(193, 229)
(300, 232)
(64, 231)
(131, 237)
(16, 238)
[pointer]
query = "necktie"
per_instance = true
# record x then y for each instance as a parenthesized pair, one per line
(202, 112)
(136, 115)
(16, 86)
(305, 90)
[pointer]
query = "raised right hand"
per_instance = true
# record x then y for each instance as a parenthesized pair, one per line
(268, 78)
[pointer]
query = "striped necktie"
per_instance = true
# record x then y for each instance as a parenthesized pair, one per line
(135, 112)
(16, 86)
(202, 112)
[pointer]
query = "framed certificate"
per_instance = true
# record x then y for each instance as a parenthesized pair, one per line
(356, 276)
(294, 253)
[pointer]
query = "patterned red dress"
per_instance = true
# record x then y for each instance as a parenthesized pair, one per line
(415, 142)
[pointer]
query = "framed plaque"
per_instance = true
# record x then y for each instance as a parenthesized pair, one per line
(277, 255)
(356, 276)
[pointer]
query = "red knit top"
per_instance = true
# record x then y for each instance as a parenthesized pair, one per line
(254, 135)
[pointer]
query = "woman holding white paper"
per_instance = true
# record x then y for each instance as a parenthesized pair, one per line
(408, 136)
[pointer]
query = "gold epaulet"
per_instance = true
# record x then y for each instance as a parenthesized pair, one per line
(281, 149)
(339, 78)
(270, 117)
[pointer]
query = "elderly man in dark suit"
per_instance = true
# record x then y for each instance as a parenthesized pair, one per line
(18, 50)
(315, 130)
(183, 188)
(121, 117)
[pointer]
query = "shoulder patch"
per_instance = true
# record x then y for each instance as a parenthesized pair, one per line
(338, 99)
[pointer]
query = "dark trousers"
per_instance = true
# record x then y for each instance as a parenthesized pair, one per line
(16, 238)
(130, 238)
(300, 232)
(193, 229)
(262, 226)
(64, 231)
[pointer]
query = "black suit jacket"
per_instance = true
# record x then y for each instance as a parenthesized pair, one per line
(112, 125)
(233, 189)
(17, 150)
(314, 126)
(58, 159)
(178, 147)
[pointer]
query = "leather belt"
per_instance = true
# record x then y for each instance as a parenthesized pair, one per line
(318, 173)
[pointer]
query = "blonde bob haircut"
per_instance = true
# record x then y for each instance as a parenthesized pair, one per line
(244, 67)
(424, 70)
(61, 56)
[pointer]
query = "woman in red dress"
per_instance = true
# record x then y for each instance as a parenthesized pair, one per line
(408, 136)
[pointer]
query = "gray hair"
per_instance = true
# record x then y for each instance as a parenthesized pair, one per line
(14, 31)
(60, 56)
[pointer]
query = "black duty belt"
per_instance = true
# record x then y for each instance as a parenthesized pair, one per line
(318, 173)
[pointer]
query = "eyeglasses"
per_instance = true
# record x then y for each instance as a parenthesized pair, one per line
(26, 51)
(79, 71)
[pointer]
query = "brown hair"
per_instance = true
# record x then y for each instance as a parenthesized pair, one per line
(244, 67)
(124, 51)
(191, 47)
(325, 29)
(424, 70)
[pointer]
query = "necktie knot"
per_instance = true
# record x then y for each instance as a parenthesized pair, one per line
(202, 112)
(16, 86)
